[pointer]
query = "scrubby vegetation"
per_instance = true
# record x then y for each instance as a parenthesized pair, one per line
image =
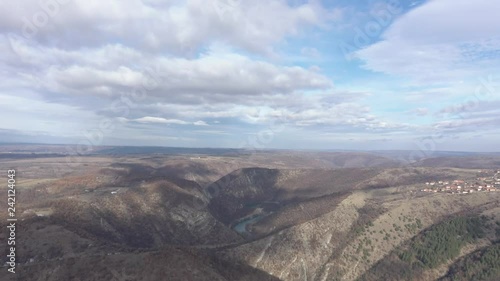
(444, 241)
(429, 249)
(481, 265)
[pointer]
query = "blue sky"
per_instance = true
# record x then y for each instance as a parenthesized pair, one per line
(256, 74)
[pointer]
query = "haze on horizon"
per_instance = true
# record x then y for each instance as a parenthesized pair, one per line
(297, 74)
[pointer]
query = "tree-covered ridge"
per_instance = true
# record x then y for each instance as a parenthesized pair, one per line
(444, 241)
(429, 249)
(482, 265)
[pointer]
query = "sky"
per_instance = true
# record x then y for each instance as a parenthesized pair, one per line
(361, 75)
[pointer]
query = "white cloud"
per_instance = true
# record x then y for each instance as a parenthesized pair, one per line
(159, 120)
(173, 26)
(206, 66)
(429, 43)
(112, 70)
(200, 123)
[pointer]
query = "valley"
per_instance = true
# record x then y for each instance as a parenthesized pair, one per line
(244, 217)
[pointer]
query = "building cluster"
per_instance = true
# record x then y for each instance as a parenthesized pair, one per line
(480, 184)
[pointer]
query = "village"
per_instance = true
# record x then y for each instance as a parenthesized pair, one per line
(486, 181)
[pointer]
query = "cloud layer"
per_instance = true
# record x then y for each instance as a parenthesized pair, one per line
(185, 73)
